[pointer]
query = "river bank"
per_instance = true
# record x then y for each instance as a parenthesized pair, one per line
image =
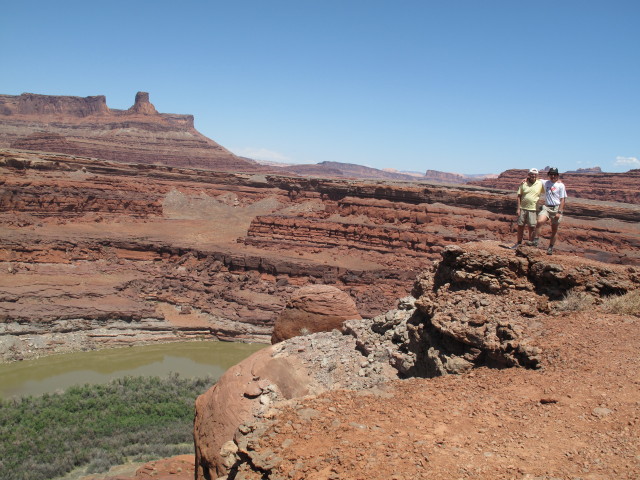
(56, 373)
(21, 342)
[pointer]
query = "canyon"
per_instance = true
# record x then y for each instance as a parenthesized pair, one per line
(123, 227)
(119, 253)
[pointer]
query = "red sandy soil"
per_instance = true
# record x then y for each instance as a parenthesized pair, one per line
(578, 417)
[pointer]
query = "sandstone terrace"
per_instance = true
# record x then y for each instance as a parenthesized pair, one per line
(612, 187)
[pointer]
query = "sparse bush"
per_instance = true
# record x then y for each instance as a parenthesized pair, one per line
(627, 304)
(98, 426)
(102, 460)
(576, 302)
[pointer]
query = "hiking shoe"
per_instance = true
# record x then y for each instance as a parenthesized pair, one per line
(550, 251)
(534, 242)
(514, 246)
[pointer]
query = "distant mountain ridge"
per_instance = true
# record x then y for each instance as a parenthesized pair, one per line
(352, 170)
(346, 170)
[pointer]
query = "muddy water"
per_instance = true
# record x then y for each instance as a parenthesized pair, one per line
(58, 372)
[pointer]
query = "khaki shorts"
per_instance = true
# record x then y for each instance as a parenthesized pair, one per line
(552, 213)
(527, 217)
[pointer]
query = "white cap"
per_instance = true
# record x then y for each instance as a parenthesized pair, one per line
(534, 170)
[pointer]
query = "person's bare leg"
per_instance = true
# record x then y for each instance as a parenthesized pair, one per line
(554, 231)
(552, 240)
(520, 233)
(541, 221)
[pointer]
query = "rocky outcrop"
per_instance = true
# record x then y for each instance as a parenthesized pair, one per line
(587, 183)
(312, 309)
(87, 127)
(142, 105)
(478, 306)
(279, 373)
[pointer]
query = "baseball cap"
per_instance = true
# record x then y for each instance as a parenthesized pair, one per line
(533, 170)
(552, 171)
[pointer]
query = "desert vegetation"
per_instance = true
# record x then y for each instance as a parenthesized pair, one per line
(627, 304)
(97, 426)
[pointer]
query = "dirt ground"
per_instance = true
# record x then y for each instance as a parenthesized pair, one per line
(577, 418)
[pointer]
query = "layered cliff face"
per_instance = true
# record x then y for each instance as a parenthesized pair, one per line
(589, 183)
(87, 127)
(165, 252)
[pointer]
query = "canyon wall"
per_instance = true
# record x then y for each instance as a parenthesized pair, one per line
(168, 252)
(590, 183)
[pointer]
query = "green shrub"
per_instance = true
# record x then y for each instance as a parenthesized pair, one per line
(97, 426)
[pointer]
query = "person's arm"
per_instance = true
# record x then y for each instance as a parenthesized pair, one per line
(518, 198)
(541, 194)
(562, 200)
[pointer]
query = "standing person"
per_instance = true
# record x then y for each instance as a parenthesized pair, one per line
(554, 198)
(529, 192)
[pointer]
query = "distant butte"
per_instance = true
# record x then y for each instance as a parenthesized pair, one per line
(86, 126)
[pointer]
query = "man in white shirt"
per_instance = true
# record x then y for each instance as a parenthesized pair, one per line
(555, 194)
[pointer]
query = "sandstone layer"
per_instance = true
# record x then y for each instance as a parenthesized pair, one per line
(330, 405)
(86, 126)
(109, 254)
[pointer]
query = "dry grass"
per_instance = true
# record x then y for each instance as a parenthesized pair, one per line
(576, 302)
(627, 304)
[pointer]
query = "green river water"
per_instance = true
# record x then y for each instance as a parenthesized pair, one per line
(58, 372)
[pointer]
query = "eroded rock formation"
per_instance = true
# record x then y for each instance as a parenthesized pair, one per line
(479, 306)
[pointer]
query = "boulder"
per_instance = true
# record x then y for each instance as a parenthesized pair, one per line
(312, 309)
(245, 391)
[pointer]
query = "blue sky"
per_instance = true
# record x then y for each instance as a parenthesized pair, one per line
(459, 86)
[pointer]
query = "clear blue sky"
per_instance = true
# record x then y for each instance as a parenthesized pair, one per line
(465, 86)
